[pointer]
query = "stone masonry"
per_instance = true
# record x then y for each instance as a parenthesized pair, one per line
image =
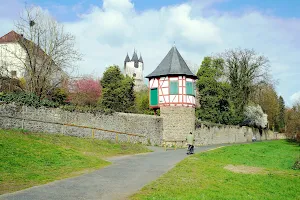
(51, 120)
(178, 122)
(173, 125)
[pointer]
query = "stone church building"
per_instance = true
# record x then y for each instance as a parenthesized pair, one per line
(134, 68)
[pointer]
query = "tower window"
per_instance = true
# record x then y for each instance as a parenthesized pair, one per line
(134, 75)
(13, 73)
(173, 87)
(136, 64)
(190, 89)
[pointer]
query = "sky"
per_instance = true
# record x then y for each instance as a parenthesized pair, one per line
(107, 30)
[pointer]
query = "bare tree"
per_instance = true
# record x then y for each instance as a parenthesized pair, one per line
(245, 69)
(47, 52)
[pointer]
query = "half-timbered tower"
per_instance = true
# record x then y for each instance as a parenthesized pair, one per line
(172, 89)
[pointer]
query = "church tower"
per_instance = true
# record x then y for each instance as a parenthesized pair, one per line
(134, 67)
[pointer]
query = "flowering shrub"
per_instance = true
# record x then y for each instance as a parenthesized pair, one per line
(85, 92)
(255, 116)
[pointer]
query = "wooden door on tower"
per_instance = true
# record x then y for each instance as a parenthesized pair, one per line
(153, 97)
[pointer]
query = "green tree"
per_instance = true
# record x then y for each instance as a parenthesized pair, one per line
(117, 90)
(215, 104)
(281, 120)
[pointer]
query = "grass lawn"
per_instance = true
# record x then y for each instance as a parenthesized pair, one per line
(28, 159)
(260, 170)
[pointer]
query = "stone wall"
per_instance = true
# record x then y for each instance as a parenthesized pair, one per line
(214, 134)
(178, 121)
(173, 125)
(50, 120)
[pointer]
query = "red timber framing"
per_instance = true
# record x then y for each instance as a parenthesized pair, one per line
(182, 98)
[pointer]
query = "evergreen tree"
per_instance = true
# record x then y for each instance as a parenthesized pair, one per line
(117, 90)
(281, 113)
(215, 104)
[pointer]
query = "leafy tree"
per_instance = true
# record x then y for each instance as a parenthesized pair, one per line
(117, 90)
(85, 91)
(245, 69)
(215, 103)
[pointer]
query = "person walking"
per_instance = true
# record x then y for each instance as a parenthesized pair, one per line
(190, 142)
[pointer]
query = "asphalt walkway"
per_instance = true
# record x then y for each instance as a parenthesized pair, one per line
(124, 177)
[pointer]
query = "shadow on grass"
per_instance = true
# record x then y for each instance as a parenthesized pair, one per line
(293, 142)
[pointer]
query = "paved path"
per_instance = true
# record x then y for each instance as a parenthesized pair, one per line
(124, 177)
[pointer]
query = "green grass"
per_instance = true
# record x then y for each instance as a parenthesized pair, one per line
(28, 159)
(202, 176)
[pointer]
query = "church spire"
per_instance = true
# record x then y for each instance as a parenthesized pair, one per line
(141, 59)
(127, 59)
(134, 57)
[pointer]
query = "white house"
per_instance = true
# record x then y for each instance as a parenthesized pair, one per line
(12, 56)
(14, 60)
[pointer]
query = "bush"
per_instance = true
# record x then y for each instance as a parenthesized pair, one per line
(28, 99)
(255, 116)
(59, 95)
(87, 109)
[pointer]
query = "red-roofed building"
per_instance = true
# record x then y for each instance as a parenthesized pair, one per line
(14, 57)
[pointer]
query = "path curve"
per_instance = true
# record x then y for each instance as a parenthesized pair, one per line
(124, 177)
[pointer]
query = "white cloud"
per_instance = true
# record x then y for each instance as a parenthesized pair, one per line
(107, 32)
(295, 98)
(117, 5)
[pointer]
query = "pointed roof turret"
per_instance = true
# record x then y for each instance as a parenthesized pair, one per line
(172, 64)
(127, 59)
(134, 57)
(141, 59)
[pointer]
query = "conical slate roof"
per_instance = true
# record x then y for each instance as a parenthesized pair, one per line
(172, 64)
(141, 59)
(127, 59)
(134, 57)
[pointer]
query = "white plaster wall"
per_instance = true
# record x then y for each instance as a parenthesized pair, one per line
(181, 99)
(130, 70)
(13, 56)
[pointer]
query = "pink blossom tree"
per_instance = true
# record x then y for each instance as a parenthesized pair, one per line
(85, 91)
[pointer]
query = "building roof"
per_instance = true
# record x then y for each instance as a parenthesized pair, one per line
(12, 36)
(172, 64)
(127, 59)
(141, 59)
(134, 57)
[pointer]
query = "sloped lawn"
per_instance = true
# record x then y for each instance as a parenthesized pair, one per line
(260, 170)
(28, 159)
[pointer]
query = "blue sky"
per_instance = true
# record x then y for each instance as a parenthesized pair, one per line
(106, 30)
(281, 8)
